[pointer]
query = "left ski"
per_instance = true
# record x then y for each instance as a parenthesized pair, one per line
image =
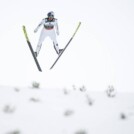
(31, 49)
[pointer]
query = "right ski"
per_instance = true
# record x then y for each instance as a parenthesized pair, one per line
(66, 45)
(31, 49)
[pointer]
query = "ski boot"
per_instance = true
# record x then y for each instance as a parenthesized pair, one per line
(60, 51)
(35, 53)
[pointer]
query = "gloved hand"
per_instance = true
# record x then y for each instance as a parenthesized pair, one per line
(35, 30)
(57, 32)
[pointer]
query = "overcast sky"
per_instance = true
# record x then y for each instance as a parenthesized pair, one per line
(101, 53)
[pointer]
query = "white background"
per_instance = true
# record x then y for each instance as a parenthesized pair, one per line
(100, 54)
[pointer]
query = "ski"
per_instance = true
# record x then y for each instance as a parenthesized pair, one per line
(66, 45)
(31, 49)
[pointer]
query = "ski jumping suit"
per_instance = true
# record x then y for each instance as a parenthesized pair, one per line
(50, 28)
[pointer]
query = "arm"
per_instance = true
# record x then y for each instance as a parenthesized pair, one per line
(36, 29)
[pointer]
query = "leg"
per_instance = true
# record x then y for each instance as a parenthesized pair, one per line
(55, 43)
(56, 47)
(41, 39)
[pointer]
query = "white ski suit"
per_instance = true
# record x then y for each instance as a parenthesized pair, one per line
(50, 29)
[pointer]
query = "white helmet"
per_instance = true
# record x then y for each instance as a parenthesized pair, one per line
(50, 14)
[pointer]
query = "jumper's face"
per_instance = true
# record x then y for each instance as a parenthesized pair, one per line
(50, 17)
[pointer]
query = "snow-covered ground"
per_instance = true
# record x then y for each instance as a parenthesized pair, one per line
(65, 111)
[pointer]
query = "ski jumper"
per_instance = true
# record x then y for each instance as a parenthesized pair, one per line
(50, 29)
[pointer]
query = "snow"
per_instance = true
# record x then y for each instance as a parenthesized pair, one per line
(65, 111)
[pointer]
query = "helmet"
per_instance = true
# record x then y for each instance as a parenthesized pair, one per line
(50, 14)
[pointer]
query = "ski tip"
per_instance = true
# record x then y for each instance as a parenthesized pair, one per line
(23, 27)
(79, 24)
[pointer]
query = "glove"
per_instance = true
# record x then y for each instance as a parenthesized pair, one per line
(35, 30)
(57, 32)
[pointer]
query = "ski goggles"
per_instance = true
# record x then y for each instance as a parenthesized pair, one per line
(51, 16)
